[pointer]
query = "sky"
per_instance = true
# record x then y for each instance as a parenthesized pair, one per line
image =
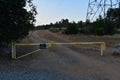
(55, 10)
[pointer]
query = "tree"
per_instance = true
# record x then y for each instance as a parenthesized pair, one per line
(102, 26)
(72, 29)
(64, 23)
(113, 15)
(98, 26)
(81, 27)
(15, 20)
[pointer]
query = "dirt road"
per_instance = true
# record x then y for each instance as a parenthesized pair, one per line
(62, 62)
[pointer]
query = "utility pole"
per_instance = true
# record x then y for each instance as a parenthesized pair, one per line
(100, 7)
(119, 4)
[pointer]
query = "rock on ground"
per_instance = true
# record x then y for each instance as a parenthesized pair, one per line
(116, 49)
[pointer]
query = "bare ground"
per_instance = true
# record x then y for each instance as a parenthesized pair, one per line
(64, 62)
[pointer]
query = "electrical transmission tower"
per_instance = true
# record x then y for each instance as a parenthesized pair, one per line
(100, 7)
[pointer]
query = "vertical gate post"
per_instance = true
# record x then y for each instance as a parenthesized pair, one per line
(13, 50)
(102, 49)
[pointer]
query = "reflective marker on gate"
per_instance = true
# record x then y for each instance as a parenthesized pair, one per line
(43, 46)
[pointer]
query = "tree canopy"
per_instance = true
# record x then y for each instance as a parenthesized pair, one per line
(15, 19)
(113, 15)
(108, 25)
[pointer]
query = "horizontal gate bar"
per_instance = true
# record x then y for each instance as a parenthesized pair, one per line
(29, 44)
(72, 43)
